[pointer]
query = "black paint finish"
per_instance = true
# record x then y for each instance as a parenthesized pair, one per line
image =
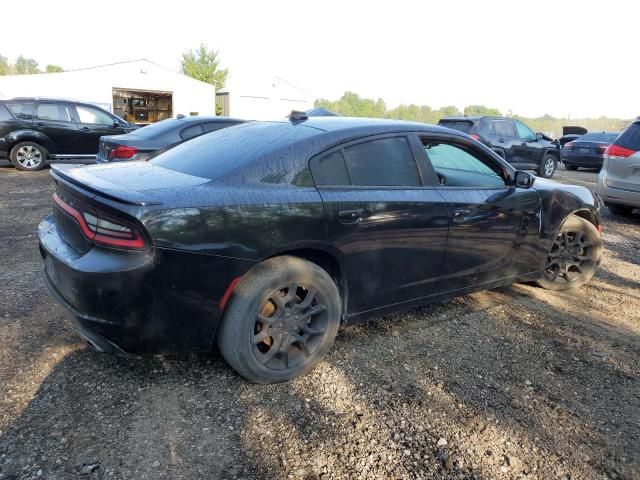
(387, 247)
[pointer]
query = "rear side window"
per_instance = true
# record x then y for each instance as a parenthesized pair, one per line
(503, 128)
(4, 113)
(55, 112)
(630, 138)
(191, 132)
(461, 125)
(21, 110)
(331, 170)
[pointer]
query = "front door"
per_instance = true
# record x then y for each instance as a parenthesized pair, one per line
(389, 228)
(55, 121)
(93, 123)
(493, 226)
(527, 149)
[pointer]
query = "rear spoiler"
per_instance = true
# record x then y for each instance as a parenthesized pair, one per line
(64, 173)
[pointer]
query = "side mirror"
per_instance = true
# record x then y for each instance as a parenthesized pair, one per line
(116, 123)
(524, 179)
(538, 136)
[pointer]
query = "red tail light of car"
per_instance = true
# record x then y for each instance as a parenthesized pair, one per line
(568, 145)
(475, 136)
(122, 152)
(618, 151)
(104, 231)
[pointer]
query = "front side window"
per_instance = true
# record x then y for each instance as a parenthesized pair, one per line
(460, 166)
(386, 162)
(93, 115)
(525, 132)
(53, 112)
(21, 110)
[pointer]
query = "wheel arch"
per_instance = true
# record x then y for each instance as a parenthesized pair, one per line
(19, 136)
(552, 151)
(586, 214)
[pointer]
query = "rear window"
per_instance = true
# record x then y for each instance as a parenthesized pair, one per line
(630, 138)
(21, 110)
(461, 125)
(158, 129)
(220, 152)
(598, 137)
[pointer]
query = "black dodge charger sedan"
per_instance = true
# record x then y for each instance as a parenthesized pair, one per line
(266, 236)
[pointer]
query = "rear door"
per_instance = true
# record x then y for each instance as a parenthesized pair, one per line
(493, 226)
(390, 229)
(93, 123)
(623, 163)
(55, 120)
(503, 138)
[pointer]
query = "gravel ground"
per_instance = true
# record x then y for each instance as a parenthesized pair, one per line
(517, 382)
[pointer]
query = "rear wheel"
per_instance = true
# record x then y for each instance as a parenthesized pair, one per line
(570, 167)
(547, 167)
(282, 318)
(618, 209)
(28, 156)
(574, 255)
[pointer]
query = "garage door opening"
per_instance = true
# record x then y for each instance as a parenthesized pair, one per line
(142, 106)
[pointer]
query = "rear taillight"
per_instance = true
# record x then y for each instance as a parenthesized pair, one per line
(102, 230)
(618, 151)
(122, 151)
(475, 136)
(568, 144)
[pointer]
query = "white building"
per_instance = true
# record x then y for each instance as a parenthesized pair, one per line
(138, 90)
(256, 97)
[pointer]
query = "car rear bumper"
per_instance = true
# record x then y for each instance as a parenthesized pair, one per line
(594, 161)
(616, 195)
(138, 302)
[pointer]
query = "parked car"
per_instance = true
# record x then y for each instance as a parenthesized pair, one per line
(571, 133)
(512, 140)
(587, 151)
(36, 130)
(140, 143)
(265, 237)
(619, 179)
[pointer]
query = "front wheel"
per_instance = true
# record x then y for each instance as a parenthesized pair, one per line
(282, 318)
(28, 156)
(574, 255)
(547, 167)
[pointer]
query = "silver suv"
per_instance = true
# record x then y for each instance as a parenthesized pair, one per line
(619, 179)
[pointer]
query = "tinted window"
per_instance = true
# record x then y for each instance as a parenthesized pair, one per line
(525, 132)
(191, 132)
(4, 113)
(460, 167)
(93, 116)
(598, 137)
(211, 126)
(21, 110)
(384, 162)
(630, 138)
(56, 112)
(220, 152)
(503, 128)
(461, 125)
(331, 170)
(169, 127)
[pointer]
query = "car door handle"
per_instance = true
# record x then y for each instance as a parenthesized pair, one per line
(461, 215)
(349, 216)
(85, 129)
(501, 140)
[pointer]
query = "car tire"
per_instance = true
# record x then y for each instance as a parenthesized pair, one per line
(28, 156)
(571, 167)
(548, 166)
(270, 333)
(574, 256)
(618, 209)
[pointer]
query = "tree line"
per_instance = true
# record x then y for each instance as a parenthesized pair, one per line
(25, 66)
(353, 105)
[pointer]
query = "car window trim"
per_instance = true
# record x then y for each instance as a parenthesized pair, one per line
(316, 158)
(507, 172)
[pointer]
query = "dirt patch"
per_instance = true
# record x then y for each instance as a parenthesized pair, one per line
(513, 383)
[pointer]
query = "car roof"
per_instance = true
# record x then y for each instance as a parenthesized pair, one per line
(50, 99)
(205, 118)
(474, 118)
(372, 126)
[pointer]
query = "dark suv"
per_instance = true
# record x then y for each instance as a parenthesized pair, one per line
(512, 140)
(34, 130)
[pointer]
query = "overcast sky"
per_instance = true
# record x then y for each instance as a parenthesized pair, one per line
(577, 58)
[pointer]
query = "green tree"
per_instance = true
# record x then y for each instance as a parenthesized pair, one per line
(203, 64)
(481, 110)
(4, 66)
(54, 69)
(26, 66)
